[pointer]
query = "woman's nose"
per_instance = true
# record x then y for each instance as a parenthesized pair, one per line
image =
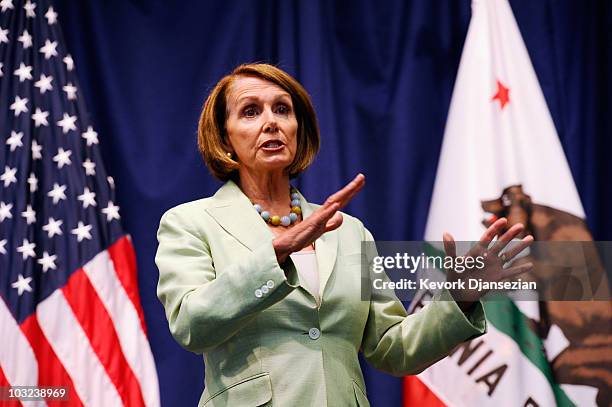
(270, 125)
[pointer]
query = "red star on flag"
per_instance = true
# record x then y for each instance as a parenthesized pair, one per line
(502, 94)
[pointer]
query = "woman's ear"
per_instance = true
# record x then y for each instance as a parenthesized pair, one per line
(227, 147)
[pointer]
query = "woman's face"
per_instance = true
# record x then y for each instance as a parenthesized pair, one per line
(261, 125)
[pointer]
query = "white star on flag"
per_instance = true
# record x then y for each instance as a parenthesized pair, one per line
(51, 16)
(3, 246)
(90, 135)
(15, 140)
(57, 193)
(33, 182)
(47, 262)
(111, 211)
(3, 36)
(29, 8)
(44, 83)
(27, 249)
(70, 90)
(82, 231)
(49, 49)
(36, 150)
(22, 284)
(8, 176)
(19, 105)
(88, 198)
(29, 214)
(67, 123)
(62, 158)
(26, 39)
(5, 211)
(53, 227)
(69, 62)
(23, 72)
(6, 4)
(40, 118)
(90, 167)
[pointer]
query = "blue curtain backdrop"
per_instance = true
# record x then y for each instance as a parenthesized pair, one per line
(381, 74)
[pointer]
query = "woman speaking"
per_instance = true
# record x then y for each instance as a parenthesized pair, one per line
(267, 286)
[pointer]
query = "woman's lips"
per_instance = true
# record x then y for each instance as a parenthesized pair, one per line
(272, 146)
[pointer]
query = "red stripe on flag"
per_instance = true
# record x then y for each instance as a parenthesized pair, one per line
(417, 394)
(99, 328)
(124, 260)
(51, 372)
(4, 383)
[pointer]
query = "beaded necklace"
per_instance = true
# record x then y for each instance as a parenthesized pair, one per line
(276, 220)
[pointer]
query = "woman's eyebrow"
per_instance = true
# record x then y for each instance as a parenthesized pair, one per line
(241, 99)
(284, 96)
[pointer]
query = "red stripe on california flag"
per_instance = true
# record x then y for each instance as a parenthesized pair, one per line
(417, 394)
(98, 326)
(124, 260)
(51, 372)
(4, 383)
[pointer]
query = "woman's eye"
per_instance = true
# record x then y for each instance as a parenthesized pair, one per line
(283, 109)
(249, 112)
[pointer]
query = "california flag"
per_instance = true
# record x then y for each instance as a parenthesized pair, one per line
(501, 157)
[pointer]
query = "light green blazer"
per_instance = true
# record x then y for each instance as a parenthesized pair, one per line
(264, 339)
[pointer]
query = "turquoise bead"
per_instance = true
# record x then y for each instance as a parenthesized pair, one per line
(285, 221)
(293, 217)
(265, 215)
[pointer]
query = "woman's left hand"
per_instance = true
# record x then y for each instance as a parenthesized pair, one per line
(493, 270)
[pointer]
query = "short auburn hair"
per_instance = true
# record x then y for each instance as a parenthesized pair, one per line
(212, 134)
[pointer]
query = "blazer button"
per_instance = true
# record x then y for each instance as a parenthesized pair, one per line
(264, 289)
(270, 284)
(258, 293)
(314, 333)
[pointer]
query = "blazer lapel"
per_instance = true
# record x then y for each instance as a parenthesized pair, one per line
(326, 249)
(234, 212)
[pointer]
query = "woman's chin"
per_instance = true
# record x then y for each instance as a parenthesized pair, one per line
(274, 163)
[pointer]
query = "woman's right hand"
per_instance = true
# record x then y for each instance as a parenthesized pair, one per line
(324, 219)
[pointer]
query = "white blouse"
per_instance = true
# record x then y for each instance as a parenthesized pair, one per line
(308, 271)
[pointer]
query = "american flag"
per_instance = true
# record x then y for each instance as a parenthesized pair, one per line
(70, 312)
